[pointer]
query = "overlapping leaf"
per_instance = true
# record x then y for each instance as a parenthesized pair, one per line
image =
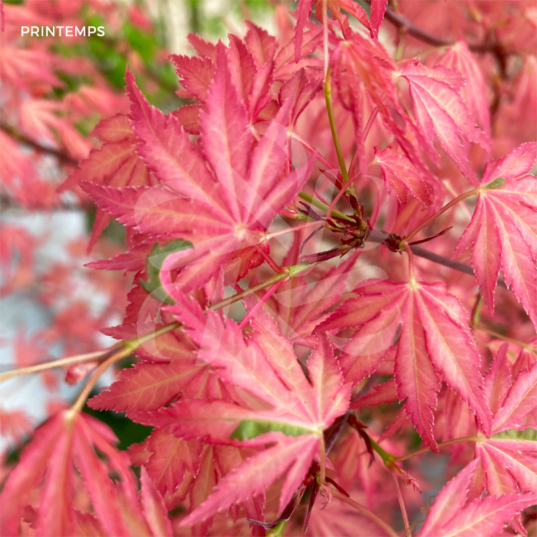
(277, 406)
(363, 74)
(255, 63)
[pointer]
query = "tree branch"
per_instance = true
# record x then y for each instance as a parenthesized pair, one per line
(402, 22)
(8, 203)
(378, 236)
(65, 158)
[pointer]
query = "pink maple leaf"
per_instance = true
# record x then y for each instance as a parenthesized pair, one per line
(434, 343)
(450, 515)
(441, 113)
(282, 409)
(222, 208)
(503, 229)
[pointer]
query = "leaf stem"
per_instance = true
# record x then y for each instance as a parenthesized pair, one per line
(366, 512)
(332, 121)
(84, 394)
(250, 291)
(65, 158)
(497, 335)
(53, 363)
(269, 236)
(321, 205)
(387, 458)
(260, 302)
(322, 460)
(408, 532)
(124, 349)
(440, 444)
(277, 531)
(311, 149)
(408, 250)
(326, 59)
(270, 262)
(441, 211)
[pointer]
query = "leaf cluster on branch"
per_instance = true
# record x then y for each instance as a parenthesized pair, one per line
(296, 350)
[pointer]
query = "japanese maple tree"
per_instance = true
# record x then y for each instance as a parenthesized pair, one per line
(302, 360)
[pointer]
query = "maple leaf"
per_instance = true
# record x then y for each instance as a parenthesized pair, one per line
(507, 458)
(380, 394)
(27, 68)
(15, 424)
(459, 58)
(53, 450)
(503, 229)
(149, 386)
(363, 73)
(42, 118)
(227, 209)
(450, 516)
(167, 460)
(153, 508)
(378, 9)
(195, 74)
(62, 443)
(255, 63)
(298, 307)
(401, 177)
(279, 406)
(115, 164)
(440, 111)
(434, 341)
(168, 369)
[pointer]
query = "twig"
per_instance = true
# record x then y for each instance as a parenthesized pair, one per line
(377, 236)
(332, 120)
(402, 22)
(446, 207)
(440, 444)
(23, 139)
(528, 346)
(51, 364)
(7, 203)
(408, 531)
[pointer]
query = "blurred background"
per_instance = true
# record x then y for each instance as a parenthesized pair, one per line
(53, 92)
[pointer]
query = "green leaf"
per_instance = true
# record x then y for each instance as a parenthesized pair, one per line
(514, 434)
(153, 265)
(497, 183)
(248, 429)
(141, 42)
